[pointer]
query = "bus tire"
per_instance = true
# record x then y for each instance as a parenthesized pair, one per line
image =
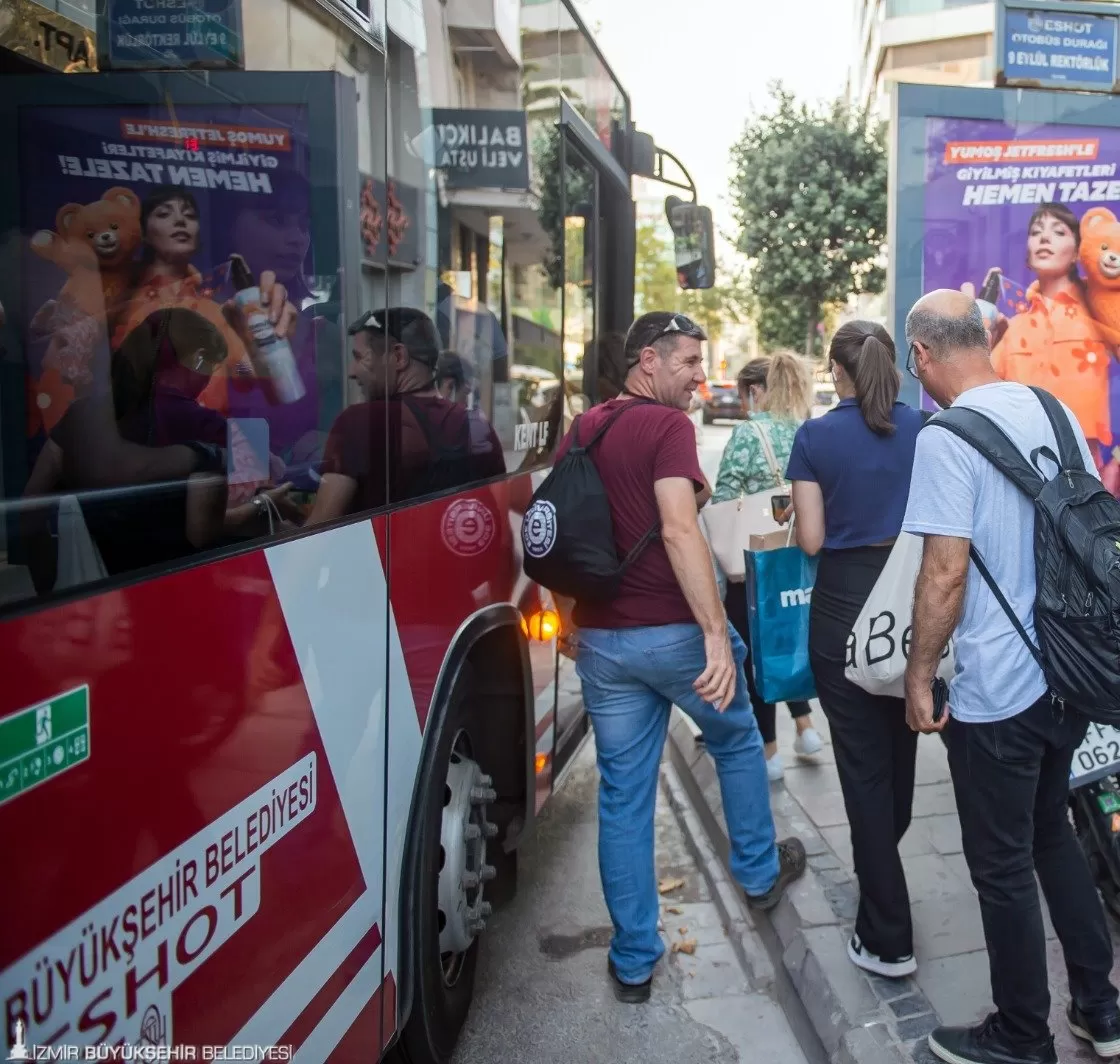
(448, 908)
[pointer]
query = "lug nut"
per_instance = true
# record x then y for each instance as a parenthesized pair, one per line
(483, 794)
(490, 828)
(469, 880)
(487, 872)
(472, 832)
(476, 927)
(485, 781)
(484, 909)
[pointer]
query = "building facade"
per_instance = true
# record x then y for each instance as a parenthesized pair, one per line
(936, 42)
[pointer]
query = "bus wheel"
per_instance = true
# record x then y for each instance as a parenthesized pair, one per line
(449, 910)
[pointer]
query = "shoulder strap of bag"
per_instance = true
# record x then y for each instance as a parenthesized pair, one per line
(768, 453)
(985, 436)
(1001, 598)
(602, 429)
(1068, 448)
(993, 443)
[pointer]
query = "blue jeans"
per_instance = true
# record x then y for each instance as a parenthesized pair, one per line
(631, 678)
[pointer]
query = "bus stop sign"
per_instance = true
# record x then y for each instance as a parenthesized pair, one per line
(1057, 45)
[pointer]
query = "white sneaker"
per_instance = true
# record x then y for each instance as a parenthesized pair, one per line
(863, 958)
(775, 770)
(808, 743)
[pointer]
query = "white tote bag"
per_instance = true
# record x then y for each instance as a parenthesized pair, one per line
(883, 626)
(729, 525)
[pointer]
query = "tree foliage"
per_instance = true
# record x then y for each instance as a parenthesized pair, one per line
(810, 195)
(655, 285)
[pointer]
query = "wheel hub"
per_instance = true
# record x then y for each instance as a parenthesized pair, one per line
(463, 872)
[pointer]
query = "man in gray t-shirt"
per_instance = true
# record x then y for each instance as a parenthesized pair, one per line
(1010, 746)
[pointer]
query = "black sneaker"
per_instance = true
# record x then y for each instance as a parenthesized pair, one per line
(987, 1044)
(1102, 1031)
(791, 867)
(629, 993)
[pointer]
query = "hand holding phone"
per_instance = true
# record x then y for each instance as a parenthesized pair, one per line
(940, 691)
(779, 507)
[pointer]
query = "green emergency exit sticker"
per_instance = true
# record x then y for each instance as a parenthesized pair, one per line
(39, 742)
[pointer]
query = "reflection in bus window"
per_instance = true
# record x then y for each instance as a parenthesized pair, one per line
(406, 440)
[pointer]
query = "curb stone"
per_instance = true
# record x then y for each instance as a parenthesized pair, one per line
(858, 1018)
(740, 933)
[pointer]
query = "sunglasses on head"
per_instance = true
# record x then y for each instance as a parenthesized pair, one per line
(678, 323)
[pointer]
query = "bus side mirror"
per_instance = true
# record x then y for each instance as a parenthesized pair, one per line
(694, 243)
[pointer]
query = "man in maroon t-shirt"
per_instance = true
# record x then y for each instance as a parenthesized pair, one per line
(664, 641)
(406, 441)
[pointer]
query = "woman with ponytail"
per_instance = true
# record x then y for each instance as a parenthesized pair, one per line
(777, 396)
(850, 471)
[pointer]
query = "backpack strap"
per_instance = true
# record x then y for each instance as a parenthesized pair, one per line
(985, 436)
(1001, 598)
(602, 429)
(1068, 448)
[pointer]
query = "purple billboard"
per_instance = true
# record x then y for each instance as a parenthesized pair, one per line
(128, 210)
(1028, 218)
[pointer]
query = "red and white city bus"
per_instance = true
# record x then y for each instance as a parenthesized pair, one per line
(262, 793)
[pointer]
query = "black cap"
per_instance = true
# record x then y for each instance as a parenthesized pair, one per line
(407, 326)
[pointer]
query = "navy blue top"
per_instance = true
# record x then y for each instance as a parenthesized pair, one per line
(864, 478)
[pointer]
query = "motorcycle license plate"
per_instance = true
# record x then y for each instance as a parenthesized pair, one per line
(1097, 756)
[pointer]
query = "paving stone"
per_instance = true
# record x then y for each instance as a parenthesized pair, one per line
(944, 830)
(818, 793)
(920, 1052)
(946, 926)
(839, 840)
(888, 989)
(933, 798)
(933, 762)
(711, 972)
(932, 877)
(755, 1026)
(869, 1045)
(958, 987)
(910, 1005)
(917, 1026)
(704, 772)
(916, 842)
(834, 993)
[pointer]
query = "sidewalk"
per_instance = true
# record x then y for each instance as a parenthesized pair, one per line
(858, 1017)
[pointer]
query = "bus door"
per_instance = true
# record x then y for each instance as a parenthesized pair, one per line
(598, 300)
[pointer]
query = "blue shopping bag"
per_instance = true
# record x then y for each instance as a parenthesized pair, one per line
(779, 585)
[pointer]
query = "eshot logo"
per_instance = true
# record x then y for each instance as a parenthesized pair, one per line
(797, 596)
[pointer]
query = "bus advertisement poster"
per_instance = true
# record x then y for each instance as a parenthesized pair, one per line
(1028, 217)
(129, 210)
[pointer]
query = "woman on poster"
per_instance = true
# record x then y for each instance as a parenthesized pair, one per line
(1052, 341)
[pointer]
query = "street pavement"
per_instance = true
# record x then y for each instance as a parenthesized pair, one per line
(542, 993)
(952, 984)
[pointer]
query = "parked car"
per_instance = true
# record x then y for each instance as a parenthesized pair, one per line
(721, 400)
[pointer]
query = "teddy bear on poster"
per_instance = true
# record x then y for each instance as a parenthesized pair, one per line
(94, 245)
(1100, 259)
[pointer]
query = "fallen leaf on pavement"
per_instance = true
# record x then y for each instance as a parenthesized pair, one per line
(667, 886)
(676, 910)
(682, 930)
(686, 945)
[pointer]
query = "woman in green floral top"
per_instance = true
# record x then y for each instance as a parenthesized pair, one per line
(777, 394)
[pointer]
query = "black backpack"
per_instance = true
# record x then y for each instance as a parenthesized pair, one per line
(567, 532)
(1077, 557)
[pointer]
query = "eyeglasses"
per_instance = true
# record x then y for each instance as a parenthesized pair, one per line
(910, 368)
